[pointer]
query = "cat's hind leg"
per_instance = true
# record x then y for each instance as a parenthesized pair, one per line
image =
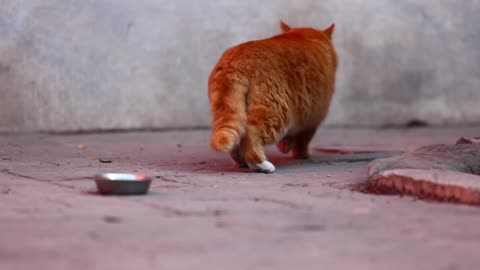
(301, 141)
(254, 153)
(264, 126)
(285, 145)
(237, 156)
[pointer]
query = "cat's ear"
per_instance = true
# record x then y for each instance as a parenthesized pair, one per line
(285, 27)
(329, 31)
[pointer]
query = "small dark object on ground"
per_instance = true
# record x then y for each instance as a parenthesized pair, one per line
(112, 219)
(416, 123)
(413, 123)
(104, 160)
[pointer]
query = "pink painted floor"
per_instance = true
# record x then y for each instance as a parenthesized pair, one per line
(204, 213)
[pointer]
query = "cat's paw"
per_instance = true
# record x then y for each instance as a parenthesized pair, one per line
(238, 158)
(300, 154)
(264, 167)
(285, 145)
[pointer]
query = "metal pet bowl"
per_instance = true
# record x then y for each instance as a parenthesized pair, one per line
(122, 183)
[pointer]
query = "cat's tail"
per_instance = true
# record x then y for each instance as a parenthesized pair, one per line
(228, 104)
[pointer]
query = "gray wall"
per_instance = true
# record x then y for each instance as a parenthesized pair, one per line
(70, 65)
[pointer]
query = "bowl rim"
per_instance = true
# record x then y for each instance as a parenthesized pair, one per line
(122, 177)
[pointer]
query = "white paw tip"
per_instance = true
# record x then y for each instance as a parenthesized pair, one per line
(265, 167)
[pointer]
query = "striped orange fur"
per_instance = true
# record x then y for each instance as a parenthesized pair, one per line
(275, 90)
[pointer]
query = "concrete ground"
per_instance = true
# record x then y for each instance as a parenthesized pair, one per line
(203, 213)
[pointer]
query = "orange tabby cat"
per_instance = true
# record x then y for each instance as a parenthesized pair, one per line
(272, 90)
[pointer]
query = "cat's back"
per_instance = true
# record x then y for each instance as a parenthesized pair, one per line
(293, 48)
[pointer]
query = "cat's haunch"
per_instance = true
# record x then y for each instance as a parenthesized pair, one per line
(275, 90)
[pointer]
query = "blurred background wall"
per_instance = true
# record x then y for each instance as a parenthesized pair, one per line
(69, 65)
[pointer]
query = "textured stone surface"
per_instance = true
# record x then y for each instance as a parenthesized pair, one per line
(431, 184)
(108, 64)
(204, 213)
(468, 140)
(440, 172)
(460, 157)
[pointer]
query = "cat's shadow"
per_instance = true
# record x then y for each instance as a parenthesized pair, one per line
(285, 162)
(225, 165)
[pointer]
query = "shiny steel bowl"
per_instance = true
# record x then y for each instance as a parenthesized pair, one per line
(122, 183)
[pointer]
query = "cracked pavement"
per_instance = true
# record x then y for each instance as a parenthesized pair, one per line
(204, 213)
